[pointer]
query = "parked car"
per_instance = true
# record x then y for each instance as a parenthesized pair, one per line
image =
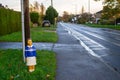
(46, 23)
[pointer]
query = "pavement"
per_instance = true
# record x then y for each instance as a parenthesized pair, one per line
(73, 61)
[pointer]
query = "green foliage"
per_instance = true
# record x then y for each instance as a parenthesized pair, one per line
(107, 22)
(51, 13)
(12, 66)
(111, 9)
(66, 17)
(44, 35)
(34, 16)
(10, 21)
(117, 27)
(85, 17)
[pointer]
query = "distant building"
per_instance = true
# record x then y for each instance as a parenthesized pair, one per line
(1, 5)
(98, 16)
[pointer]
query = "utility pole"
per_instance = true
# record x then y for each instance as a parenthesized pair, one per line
(52, 3)
(89, 6)
(75, 9)
(26, 21)
(30, 51)
(89, 9)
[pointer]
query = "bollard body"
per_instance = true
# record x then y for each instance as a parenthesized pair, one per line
(30, 55)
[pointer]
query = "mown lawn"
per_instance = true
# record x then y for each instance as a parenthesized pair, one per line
(38, 34)
(13, 68)
(117, 27)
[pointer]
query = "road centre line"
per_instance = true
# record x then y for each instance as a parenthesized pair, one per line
(98, 36)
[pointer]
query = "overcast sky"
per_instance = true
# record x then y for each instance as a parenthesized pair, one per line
(71, 6)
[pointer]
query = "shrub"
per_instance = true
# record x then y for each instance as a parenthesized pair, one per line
(10, 21)
(34, 17)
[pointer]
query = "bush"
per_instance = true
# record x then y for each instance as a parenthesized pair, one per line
(10, 21)
(51, 14)
(34, 17)
(107, 22)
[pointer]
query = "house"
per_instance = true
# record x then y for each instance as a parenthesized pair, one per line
(1, 6)
(98, 16)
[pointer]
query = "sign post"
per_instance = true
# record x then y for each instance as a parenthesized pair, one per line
(23, 30)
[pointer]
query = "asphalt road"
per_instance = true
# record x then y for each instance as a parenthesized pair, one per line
(101, 43)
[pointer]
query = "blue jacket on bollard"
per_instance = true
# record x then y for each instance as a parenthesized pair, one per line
(30, 51)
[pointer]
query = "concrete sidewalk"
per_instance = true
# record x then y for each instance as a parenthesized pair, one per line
(75, 63)
(18, 45)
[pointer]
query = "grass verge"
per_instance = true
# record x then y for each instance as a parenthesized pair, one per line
(38, 34)
(13, 68)
(117, 27)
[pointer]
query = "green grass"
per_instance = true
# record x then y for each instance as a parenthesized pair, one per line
(12, 66)
(38, 34)
(117, 27)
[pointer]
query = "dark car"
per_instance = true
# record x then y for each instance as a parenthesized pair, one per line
(46, 23)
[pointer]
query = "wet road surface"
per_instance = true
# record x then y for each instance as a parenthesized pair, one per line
(101, 43)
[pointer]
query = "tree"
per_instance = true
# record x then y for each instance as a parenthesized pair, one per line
(111, 9)
(85, 18)
(36, 4)
(65, 16)
(51, 14)
(42, 14)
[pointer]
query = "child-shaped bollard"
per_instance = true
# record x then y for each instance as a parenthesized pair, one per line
(30, 55)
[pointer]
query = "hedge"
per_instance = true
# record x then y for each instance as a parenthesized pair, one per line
(10, 21)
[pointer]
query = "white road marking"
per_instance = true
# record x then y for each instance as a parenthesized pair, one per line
(84, 40)
(93, 53)
(98, 36)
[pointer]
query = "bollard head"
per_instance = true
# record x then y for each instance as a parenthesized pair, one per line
(29, 42)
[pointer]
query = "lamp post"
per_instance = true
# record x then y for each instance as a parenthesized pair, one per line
(52, 3)
(89, 6)
(89, 9)
(75, 9)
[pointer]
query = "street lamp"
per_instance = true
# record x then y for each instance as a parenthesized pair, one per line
(89, 6)
(52, 3)
(89, 9)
